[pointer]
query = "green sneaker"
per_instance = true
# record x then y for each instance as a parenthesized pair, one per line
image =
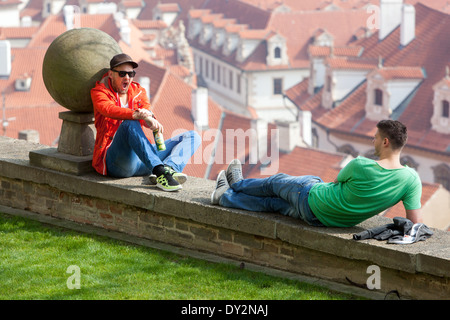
(178, 176)
(167, 183)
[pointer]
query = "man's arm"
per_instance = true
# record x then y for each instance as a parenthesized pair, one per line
(414, 215)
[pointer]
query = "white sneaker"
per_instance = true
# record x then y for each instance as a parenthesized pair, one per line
(221, 186)
(234, 172)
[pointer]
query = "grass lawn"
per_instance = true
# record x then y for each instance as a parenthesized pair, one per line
(34, 260)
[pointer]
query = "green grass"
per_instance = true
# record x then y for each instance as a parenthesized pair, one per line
(34, 259)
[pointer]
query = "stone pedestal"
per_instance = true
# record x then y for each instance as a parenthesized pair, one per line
(77, 133)
(75, 147)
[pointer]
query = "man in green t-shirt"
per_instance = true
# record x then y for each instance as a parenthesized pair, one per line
(362, 189)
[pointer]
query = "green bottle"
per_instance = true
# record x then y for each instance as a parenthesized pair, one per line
(159, 140)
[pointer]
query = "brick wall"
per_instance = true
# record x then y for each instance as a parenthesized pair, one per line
(241, 246)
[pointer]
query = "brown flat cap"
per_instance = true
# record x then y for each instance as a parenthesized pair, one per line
(121, 58)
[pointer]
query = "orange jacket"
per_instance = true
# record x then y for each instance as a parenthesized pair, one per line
(109, 115)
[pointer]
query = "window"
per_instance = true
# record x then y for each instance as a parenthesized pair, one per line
(207, 68)
(224, 80)
(315, 138)
(445, 109)
(277, 53)
(200, 64)
(378, 97)
(218, 74)
(230, 83)
(277, 86)
(213, 71)
(238, 83)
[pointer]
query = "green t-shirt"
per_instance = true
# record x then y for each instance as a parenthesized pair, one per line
(364, 189)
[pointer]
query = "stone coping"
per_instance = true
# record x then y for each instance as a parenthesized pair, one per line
(193, 203)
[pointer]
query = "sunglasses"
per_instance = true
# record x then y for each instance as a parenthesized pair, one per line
(122, 74)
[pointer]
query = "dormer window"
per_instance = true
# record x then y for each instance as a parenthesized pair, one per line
(440, 121)
(276, 51)
(388, 88)
(23, 83)
(378, 97)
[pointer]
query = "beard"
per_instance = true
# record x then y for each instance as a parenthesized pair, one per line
(121, 87)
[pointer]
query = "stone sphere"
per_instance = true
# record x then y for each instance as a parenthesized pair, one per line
(74, 61)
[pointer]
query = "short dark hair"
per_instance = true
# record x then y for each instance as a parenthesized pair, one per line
(395, 131)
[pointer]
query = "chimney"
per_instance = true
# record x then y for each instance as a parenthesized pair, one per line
(408, 27)
(26, 21)
(258, 145)
(72, 17)
(145, 83)
(199, 100)
(5, 58)
(69, 14)
(390, 16)
(125, 31)
(289, 135)
(305, 122)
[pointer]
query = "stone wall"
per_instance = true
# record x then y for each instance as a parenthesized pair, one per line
(186, 219)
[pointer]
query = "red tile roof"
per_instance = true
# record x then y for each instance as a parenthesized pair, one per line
(296, 27)
(390, 73)
(351, 63)
(149, 24)
(427, 53)
(430, 51)
(309, 5)
(168, 7)
(18, 33)
(37, 101)
(348, 51)
(306, 161)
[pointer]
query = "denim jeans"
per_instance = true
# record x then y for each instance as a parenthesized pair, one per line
(132, 154)
(280, 193)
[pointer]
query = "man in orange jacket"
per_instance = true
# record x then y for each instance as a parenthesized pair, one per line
(121, 109)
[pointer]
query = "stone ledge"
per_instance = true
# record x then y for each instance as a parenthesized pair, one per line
(424, 259)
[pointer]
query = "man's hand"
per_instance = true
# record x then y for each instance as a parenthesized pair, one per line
(141, 114)
(147, 116)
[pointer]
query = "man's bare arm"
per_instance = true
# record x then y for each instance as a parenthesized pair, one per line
(414, 215)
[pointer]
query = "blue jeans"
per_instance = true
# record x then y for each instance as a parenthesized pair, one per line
(280, 193)
(132, 154)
